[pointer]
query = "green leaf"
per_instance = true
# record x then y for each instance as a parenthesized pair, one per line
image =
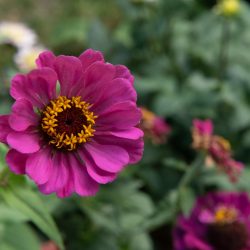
(8, 214)
(141, 242)
(27, 202)
(165, 212)
(187, 199)
(120, 209)
(19, 236)
(3, 151)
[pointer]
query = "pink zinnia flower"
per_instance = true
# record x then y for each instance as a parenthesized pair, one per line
(154, 127)
(218, 221)
(73, 125)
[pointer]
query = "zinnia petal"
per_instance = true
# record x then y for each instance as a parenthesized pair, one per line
(122, 71)
(39, 166)
(46, 59)
(38, 87)
(24, 142)
(16, 161)
(90, 56)
(133, 147)
(116, 91)
(96, 75)
(82, 183)
(58, 177)
(5, 128)
(121, 115)
(97, 174)
(132, 133)
(69, 70)
(22, 115)
(108, 157)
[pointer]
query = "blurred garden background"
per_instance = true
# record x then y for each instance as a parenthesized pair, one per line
(190, 59)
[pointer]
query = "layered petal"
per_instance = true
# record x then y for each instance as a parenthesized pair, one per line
(22, 115)
(59, 176)
(24, 142)
(38, 87)
(69, 70)
(46, 59)
(94, 80)
(194, 242)
(39, 166)
(113, 92)
(5, 128)
(132, 133)
(16, 161)
(90, 56)
(122, 71)
(110, 158)
(121, 115)
(79, 180)
(133, 147)
(97, 174)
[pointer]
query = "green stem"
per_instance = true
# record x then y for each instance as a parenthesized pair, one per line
(192, 171)
(189, 176)
(165, 211)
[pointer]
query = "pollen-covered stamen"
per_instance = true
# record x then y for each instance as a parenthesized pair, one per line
(224, 215)
(68, 122)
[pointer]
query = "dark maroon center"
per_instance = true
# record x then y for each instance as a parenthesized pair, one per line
(71, 121)
(233, 236)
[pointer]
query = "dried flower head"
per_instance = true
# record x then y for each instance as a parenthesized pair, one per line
(154, 127)
(218, 148)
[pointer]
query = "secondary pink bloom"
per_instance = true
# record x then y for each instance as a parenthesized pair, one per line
(154, 127)
(218, 221)
(74, 123)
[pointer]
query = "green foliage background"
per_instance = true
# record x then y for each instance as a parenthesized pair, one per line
(184, 69)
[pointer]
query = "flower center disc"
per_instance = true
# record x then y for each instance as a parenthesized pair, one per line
(67, 122)
(228, 236)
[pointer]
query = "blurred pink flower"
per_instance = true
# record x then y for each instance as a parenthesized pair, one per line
(74, 123)
(218, 221)
(154, 127)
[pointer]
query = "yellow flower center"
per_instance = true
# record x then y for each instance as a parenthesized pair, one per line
(225, 215)
(68, 122)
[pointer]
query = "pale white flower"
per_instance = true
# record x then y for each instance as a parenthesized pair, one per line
(17, 34)
(25, 58)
